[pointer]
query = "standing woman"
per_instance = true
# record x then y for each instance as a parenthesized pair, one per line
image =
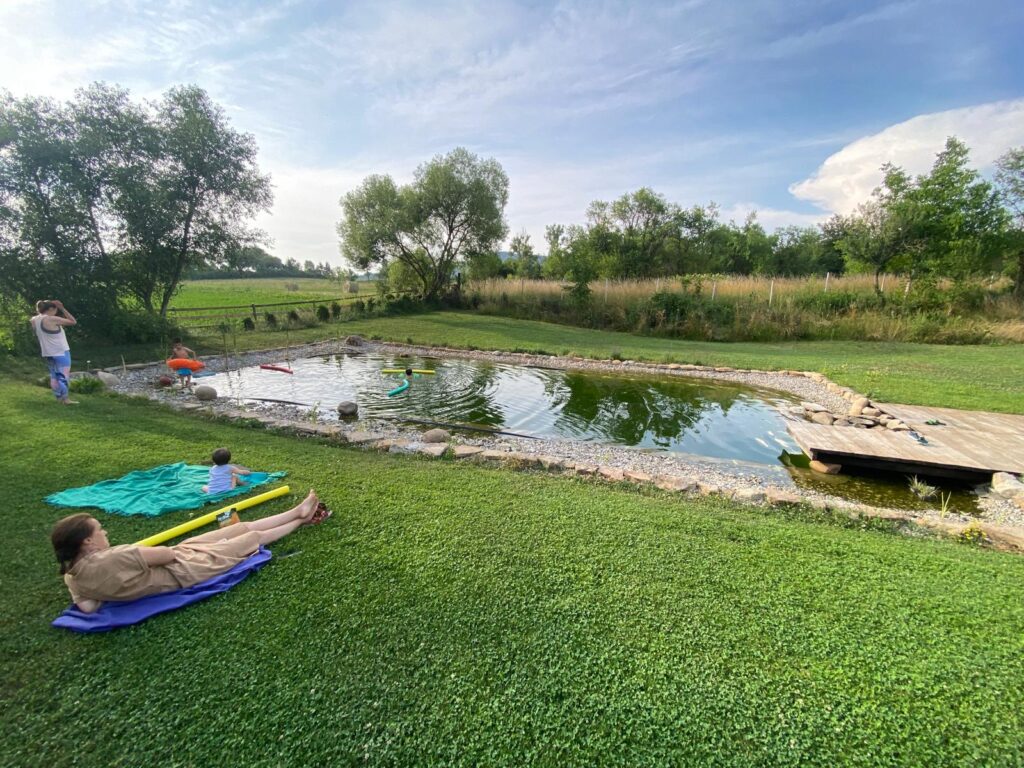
(49, 325)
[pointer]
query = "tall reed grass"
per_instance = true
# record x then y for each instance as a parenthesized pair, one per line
(746, 308)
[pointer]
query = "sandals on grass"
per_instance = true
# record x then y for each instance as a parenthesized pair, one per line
(320, 514)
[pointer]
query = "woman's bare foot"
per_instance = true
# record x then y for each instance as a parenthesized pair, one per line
(308, 506)
(69, 402)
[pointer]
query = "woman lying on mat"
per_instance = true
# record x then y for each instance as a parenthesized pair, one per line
(96, 572)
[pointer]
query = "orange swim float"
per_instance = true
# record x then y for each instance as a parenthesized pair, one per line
(180, 363)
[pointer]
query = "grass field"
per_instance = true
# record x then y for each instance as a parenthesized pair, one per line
(455, 614)
(244, 291)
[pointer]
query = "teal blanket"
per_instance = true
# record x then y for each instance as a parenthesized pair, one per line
(153, 492)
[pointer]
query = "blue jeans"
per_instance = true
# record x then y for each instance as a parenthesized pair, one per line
(60, 369)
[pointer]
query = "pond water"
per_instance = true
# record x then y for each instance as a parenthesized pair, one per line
(696, 416)
(707, 418)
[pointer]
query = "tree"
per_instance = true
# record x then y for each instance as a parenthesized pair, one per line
(1010, 184)
(52, 220)
(555, 267)
(454, 207)
(210, 185)
(526, 262)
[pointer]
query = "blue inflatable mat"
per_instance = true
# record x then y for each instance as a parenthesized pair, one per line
(123, 614)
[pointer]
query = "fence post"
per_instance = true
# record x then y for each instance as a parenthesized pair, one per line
(771, 292)
(827, 276)
(606, 290)
(254, 314)
(882, 289)
(657, 285)
(714, 289)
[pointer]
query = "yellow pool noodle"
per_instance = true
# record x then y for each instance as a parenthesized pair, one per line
(209, 517)
(402, 370)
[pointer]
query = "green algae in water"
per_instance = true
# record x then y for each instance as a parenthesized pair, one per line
(879, 489)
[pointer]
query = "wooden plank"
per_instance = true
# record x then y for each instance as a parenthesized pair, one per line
(957, 448)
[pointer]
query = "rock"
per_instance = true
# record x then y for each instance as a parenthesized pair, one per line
(1003, 537)
(490, 455)
(108, 379)
(205, 393)
(436, 436)
(869, 411)
(825, 468)
(708, 489)
(552, 463)
(436, 450)
(613, 474)
(822, 417)
(355, 341)
(814, 408)
(779, 498)
(833, 388)
(638, 477)
(796, 410)
(1006, 485)
(160, 381)
(749, 495)
(465, 451)
(585, 470)
(677, 484)
(674, 366)
(897, 426)
(857, 406)
(358, 437)
(524, 460)
(842, 422)
(348, 409)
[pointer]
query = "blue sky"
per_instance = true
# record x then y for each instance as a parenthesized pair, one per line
(784, 106)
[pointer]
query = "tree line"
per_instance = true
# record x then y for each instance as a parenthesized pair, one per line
(112, 201)
(947, 223)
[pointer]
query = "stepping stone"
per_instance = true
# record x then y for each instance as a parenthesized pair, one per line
(552, 463)
(586, 470)
(358, 437)
(613, 474)
(814, 408)
(779, 498)
(749, 495)
(676, 484)
(638, 477)
(436, 450)
(465, 451)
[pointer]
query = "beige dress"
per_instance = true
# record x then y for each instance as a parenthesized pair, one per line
(120, 573)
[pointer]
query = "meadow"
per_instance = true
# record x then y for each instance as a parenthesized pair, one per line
(268, 290)
(750, 308)
(462, 615)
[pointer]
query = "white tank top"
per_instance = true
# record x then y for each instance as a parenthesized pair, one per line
(51, 343)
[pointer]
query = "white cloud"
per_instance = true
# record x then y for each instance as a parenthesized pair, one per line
(848, 177)
(771, 218)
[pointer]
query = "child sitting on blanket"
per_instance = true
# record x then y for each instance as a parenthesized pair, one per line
(96, 572)
(225, 476)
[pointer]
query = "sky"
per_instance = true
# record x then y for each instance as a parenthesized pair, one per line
(786, 107)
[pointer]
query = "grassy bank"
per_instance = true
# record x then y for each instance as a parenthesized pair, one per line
(975, 377)
(463, 615)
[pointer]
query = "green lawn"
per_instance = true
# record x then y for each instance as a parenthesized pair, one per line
(455, 614)
(224, 293)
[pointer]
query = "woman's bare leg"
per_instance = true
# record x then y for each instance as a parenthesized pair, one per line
(300, 513)
(273, 534)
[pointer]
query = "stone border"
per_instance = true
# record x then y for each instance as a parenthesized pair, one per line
(1008, 538)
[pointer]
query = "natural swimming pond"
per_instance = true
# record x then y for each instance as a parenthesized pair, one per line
(708, 418)
(676, 414)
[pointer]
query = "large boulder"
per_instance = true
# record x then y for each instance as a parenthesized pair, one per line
(822, 417)
(108, 379)
(205, 392)
(1007, 485)
(858, 405)
(436, 436)
(814, 408)
(348, 409)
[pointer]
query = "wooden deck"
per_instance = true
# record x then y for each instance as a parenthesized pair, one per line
(968, 444)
